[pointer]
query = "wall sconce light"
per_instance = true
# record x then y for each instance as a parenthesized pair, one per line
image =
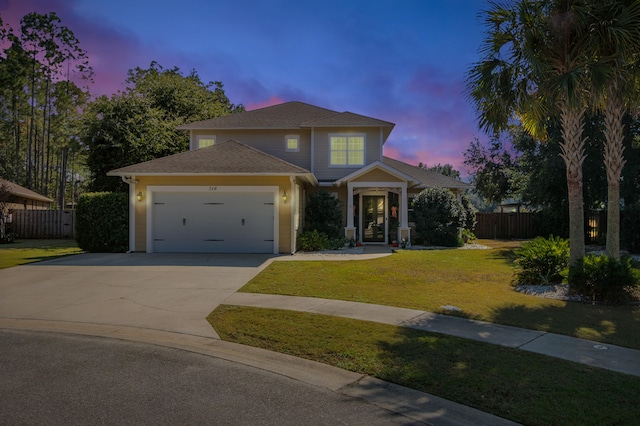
(284, 196)
(139, 196)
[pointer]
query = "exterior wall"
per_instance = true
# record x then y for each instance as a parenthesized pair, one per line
(377, 175)
(18, 203)
(283, 183)
(321, 156)
(269, 141)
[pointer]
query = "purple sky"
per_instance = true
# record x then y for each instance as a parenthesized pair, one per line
(402, 61)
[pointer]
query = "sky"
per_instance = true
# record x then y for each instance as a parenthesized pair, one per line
(403, 61)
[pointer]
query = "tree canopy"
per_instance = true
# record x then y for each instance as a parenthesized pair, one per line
(43, 85)
(139, 124)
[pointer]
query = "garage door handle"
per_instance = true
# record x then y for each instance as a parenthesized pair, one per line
(184, 221)
(242, 222)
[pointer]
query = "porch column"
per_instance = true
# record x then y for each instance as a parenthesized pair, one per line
(350, 229)
(405, 231)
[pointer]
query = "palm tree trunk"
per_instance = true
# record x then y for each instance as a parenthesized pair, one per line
(614, 162)
(573, 155)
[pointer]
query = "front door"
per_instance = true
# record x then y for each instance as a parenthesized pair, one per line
(374, 224)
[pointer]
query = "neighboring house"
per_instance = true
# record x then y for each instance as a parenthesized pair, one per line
(242, 186)
(21, 198)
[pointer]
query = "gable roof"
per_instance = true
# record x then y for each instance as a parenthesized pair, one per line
(380, 166)
(229, 158)
(22, 192)
(426, 178)
(289, 115)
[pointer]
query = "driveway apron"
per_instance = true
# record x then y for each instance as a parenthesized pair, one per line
(168, 292)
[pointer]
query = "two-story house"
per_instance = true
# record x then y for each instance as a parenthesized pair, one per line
(242, 186)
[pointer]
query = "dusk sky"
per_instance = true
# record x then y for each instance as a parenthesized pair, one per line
(402, 61)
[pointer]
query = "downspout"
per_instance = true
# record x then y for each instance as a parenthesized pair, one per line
(381, 142)
(292, 209)
(131, 181)
(313, 151)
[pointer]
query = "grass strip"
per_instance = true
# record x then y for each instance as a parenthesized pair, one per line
(525, 387)
(29, 251)
(479, 282)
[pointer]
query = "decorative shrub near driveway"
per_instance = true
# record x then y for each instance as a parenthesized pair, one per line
(102, 222)
(604, 278)
(542, 261)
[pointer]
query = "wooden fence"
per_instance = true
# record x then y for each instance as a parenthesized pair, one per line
(524, 226)
(504, 226)
(42, 223)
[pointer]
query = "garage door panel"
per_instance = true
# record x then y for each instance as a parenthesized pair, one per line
(213, 222)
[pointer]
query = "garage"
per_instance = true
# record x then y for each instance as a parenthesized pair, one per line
(212, 221)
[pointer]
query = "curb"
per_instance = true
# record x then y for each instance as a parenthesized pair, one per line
(410, 403)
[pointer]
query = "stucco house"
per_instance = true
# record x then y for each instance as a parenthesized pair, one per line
(242, 186)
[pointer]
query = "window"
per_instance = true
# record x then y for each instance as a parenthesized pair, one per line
(346, 150)
(203, 141)
(292, 143)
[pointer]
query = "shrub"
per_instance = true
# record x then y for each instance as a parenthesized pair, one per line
(313, 241)
(439, 217)
(470, 211)
(324, 214)
(630, 228)
(468, 236)
(102, 222)
(604, 278)
(542, 261)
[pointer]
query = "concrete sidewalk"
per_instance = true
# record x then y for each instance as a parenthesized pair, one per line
(610, 357)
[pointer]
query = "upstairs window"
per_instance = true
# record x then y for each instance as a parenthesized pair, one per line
(292, 143)
(346, 150)
(203, 141)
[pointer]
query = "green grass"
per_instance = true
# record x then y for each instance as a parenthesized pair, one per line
(479, 282)
(525, 387)
(28, 251)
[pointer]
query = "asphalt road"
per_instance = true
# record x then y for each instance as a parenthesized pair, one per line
(60, 379)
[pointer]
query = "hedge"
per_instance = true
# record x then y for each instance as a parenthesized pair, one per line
(102, 222)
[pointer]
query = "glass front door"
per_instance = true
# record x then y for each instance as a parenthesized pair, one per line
(373, 219)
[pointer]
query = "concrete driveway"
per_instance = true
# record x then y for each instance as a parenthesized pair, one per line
(167, 292)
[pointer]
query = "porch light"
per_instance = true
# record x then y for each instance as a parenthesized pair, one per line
(139, 196)
(284, 196)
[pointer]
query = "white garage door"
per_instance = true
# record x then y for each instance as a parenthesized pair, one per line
(209, 222)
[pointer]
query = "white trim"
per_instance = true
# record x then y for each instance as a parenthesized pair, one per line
(313, 151)
(277, 199)
(381, 143)
(347, 165)
(373, 188)
(198, 137)
(374, 193)
(132, 214)
(286, 143)
(375, 165)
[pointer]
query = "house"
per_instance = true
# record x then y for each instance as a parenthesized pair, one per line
(21, 198)
(242, 186)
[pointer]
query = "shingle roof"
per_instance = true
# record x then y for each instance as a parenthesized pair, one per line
(288, 115)
(230, 157)
(427, 178)
(21, 191)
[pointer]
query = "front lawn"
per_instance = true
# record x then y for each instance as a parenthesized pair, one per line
(522, 386)
(476, 281)
(28, 251)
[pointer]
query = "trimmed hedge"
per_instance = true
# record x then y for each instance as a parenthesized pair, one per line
(102, 222)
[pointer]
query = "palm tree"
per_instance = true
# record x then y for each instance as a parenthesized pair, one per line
(534, 69)
(616, 44)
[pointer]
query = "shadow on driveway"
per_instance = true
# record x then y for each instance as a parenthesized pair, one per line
(161, 259)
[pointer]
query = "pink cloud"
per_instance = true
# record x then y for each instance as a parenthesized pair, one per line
(273, 100)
